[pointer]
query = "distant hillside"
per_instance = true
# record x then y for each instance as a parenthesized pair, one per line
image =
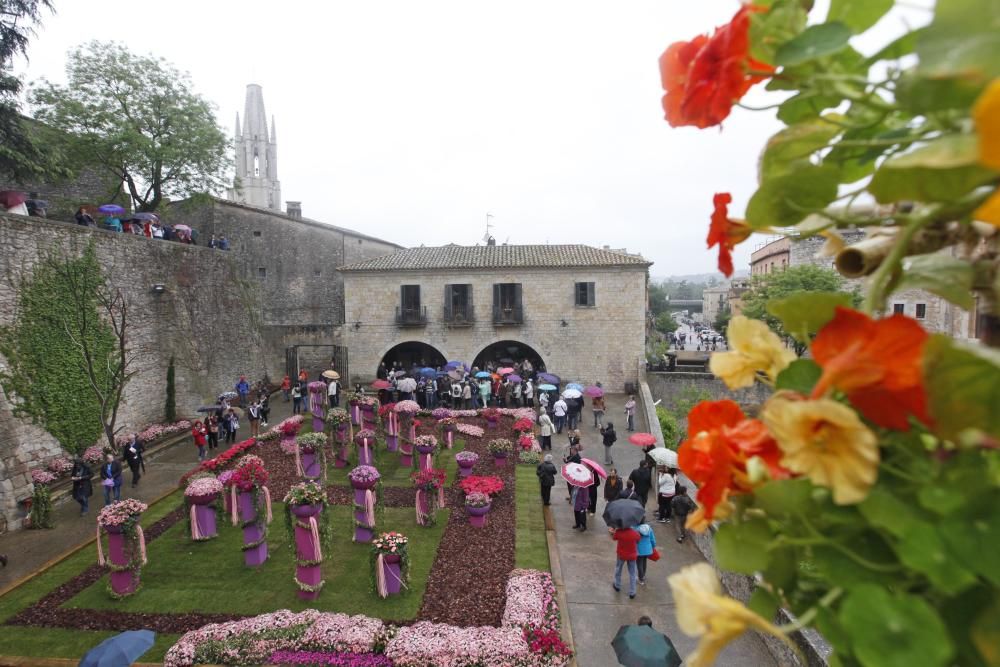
(700, 277)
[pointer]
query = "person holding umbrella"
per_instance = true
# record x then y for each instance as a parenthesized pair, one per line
(597, 404)
(681, 505)
(630, 412)
(546, 473)
(547, 429)
(643, 481)
(667, 486)
(580, 478)
(642, 646)
(644, 549)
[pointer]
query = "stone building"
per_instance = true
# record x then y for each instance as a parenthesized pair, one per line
(256, 181)
(714, 300)
(771, 256)
(576, 309)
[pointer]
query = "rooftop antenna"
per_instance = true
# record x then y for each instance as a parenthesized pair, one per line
(487, 236)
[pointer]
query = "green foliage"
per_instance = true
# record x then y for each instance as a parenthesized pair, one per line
(139, 118)
(170, 409)
(966, 387)
(665, 323)
(687, 399)
(46, 372)
(668, 425)
(721, 322)
(41, 507)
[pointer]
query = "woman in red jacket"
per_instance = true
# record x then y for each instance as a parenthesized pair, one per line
(200, 433)
(627, 540)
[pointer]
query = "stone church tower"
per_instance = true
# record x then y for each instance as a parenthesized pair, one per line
(256, 181)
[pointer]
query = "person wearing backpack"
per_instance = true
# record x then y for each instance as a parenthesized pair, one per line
(644, 549)
(681, 505)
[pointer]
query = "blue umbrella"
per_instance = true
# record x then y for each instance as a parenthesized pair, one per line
(642, 646)
(456, 364)
(428, 372)
(547, 387)
(123, 649)
(111, 209)
(483, 374)
(549, 377)
(575, 385)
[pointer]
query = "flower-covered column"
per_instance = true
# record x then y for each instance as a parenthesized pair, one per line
(365, 440)
(430, 494)
(369, 405)
(364, 480)
(390, 563)
(317, 404)
(306, 523)
(252, 507)
(355, 404)
(391, 421)
(407, 411)
(448, 430)
(126, 545)
(289, 429)
(310, 458)
(466, 461)
(340, 422)
(426, 445)
(201, 495)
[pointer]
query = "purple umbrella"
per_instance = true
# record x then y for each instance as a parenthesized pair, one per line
(514, 377)
(594, 391)
(111, 209)
(549, 377)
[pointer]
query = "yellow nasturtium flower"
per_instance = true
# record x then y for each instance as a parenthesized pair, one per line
(986, 115)
(990, 210)
(703, 611)
(753, 348)
(827, 442)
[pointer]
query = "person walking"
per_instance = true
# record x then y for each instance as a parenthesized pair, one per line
(333, 393)
(529, 394)
(546, 428)
(132, 455)
(286, 387)
(630, 412)
(82, 488)
(628, 493)
(580, 499)
(546, 472)
(609, 438)
(667, 487)
(573, 456)
(574, 407)
(231, 424)
(681, 506)
(626, 553)
(243, 389)
(642, 481)
(199, 433)
(592, 505)
(111, 479)
(212, 426)
(597, 405)
(296, 399)
(253, 414)
(265, 407)
(612, 486)
(559, 412)
(644, 549)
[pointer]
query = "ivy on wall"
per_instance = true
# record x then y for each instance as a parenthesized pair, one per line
(45, 377)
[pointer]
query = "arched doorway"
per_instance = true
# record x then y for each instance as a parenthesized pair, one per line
(508, 352)
(413, 353)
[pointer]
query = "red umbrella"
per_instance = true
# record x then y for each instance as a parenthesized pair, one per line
(594, 391)
(642, 439)
(577, 474)
(595, 466)
(381, 384)
(12, 198)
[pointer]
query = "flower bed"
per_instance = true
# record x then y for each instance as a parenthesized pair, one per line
(154, 431)
(490, 485)
(203, 486)
(328, 658)
(220, 461)
(40, 476)
(471, 430)
(408, 407)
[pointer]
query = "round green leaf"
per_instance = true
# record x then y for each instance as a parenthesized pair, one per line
(858, 15)
(965, 391)
(943, 170)
(742, 547)
(814, 42)
(894, 630)
(791, 148)
(785, 200)
(805, 313)
(801, 376)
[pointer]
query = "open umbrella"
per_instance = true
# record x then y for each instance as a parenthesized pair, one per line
(122, 649)
(623, 513)
(331, 375)
(209, 408)
(594, 391)
(595, 466)
(549, 377)
(571, 393)
(578, 474)
(483, 374)
(12, 198)
(575, 385)
(111, 209)
(642, 646)
(151, 217)
(407, 384)
(428, 372)
(547, 387)
(663, 456)
(642, 439)
(514, 377)
(228, 394)
(456, 374)
(182, 228)
(505, 371)
(381, 384)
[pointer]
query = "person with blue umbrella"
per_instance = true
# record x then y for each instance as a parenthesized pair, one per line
(642, 646)
(119, 651)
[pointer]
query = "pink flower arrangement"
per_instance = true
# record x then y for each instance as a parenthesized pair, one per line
(226, 477)
(154, 431)
(309, 442)
(317, 387)
(203, 486)
(121, 513)
(60, 466)
(365, 433)
(39, 476)
(340, 632)
(390, 543)
(408, 407)
(424, 644)
(365, 474)
(329, 659)
(477, 499)
(290, 426)
(490, 414)
(426, 441)
(94, 454)
(466, 455)
(523, 425)
(471, 430)
(531, 601)
(249, 472)
(440, 413)
(464, 413)
(518, 413)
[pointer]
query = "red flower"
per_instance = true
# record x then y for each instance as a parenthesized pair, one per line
(721, 441)
(523, 425)
(490, 485)
(877, 363)
(705, 77)
(726, 233)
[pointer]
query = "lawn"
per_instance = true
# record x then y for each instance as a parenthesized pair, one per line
(530, 547)
(393, 474)
(210, 577)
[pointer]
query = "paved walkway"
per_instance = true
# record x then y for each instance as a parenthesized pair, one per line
(588, 560)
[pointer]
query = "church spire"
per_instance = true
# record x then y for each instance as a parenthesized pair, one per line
(237, 135)
(256, 182)
(274, 133)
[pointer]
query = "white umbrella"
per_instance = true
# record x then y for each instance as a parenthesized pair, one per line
(578, 474)
(571, 393)
(407, 385)
(664, 456)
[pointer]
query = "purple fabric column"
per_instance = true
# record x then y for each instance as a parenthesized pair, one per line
(306, 549)
(311, 465)
(125, 582)
(393, 575)
(205, 516)
(449, 438)
(365, 454)
(477, 515)
(361, 534)
(340, 460)
(391, 442)
(464, 471)
(252, 533)
(356, 414)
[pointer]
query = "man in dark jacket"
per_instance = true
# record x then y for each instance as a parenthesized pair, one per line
(132, 455)
(546, 472)
(82, 488)
(642, 481)
(111, 479)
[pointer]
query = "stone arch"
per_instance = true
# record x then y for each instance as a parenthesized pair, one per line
(508, 349)
(413, 351)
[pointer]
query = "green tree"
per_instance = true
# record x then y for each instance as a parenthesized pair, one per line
(665, 323)
(170, 409)
(138, 118)
(721, 322)
(768, 287)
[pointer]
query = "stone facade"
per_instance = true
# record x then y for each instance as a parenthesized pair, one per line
(293, 263)
(256, 180)
(714, 300)
(587, 344)
(200, 319)
(772, 256)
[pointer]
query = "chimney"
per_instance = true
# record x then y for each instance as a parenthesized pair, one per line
(293, 209)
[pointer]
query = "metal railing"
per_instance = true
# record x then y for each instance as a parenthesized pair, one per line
(411, 317)
(508, 314)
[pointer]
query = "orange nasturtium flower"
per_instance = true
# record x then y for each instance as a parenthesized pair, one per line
(705, 77)
(877, 363)
(986, 116)
(721, 441)
(725, 232)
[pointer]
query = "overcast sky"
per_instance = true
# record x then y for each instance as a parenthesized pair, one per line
(411, 120)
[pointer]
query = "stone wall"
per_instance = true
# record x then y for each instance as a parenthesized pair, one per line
(293, 263)
(90, 186)
(603, 343)
(668, 387)
(204, 318)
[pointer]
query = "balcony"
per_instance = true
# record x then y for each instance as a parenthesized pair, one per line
(508, 315)
(411, 317)
(463, 315)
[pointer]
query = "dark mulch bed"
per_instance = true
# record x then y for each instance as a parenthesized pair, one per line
(466, 585)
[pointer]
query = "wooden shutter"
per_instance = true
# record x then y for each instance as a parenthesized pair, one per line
(496, 297)
(590, 293)
(517, 298)
(447, 303)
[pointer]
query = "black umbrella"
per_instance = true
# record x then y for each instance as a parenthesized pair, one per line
(642, 646)
(624, 513)
(210, 408)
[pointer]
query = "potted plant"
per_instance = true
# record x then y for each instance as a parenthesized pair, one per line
(390, 564)
(289, 428)
(429, 483)
(426, 447)
(523, 425)
(500, 448)
(310, 455)
(477, 506)
(364, 480)
(390, 419)
(41, 499)
(491, 485)
(201, 495)
(366, 439)
(339, 421)
(251, 506)
(448, 426)
(126, 545)
(466, 460)
(309, 530)
(492, 416)
(369, 406)
(407, 410)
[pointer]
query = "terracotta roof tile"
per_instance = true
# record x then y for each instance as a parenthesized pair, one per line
(497, 257)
